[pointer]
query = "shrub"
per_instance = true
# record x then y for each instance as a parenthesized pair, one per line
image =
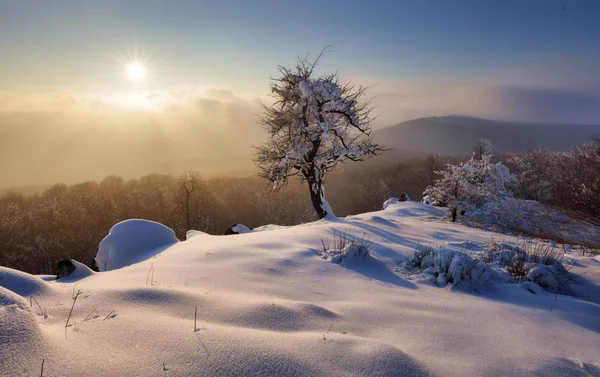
(541, 263)
(448, 266)
(345, 246)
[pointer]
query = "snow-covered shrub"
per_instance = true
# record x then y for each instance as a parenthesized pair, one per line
(449, 266)
(469, 185)
(345, 246)
(540, 263)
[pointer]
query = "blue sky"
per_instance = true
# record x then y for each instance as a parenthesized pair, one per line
(70, 46)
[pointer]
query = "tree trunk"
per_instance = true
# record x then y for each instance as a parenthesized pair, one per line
(188, 222)
(316, 186)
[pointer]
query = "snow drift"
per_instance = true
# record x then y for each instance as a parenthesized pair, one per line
(268, 303)
(132, 241)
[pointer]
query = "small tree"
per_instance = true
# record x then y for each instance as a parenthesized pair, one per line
(469, 185)
(194, 201)
(314, 124)
(482, 148)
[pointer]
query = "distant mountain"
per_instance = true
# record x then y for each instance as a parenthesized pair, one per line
(455, 135)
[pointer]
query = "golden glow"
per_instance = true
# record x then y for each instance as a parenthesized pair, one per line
(137, 66)
(136, 72)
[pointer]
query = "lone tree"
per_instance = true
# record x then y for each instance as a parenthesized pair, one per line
(314, 124)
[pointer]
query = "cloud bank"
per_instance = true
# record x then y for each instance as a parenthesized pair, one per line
(68, 138)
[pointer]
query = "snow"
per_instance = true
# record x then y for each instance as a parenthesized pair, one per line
(22, 283)
(81, 271)
(267, 303)
(132, 241)
(241, 229)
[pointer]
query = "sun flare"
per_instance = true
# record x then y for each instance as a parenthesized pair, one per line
(136, 72)
(137, 65)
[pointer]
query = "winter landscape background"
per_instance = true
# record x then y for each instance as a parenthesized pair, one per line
(324, 188)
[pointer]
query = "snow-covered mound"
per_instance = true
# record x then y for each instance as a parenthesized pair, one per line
(81, 271)
(132, 241)
(20, 334)
(270, 303)
(22, 283)
(193, 233)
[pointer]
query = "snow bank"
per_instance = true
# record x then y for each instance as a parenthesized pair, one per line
(267, 304)
(22, 283)
(132, 241)
(193, 233)
(19, 335)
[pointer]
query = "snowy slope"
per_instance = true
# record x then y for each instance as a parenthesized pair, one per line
(268, 304)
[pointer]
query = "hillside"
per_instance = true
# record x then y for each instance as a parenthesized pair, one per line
(455, 135)
(273, 302)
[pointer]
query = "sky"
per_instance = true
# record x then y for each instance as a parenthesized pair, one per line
(499, 59)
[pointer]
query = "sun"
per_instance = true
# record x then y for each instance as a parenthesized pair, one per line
(136, 72)
(136, 65)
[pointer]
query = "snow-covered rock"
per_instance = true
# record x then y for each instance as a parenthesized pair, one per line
(80, 271)
(237, 229)
(132, 241)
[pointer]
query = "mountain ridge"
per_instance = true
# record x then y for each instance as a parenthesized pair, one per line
(456, 134)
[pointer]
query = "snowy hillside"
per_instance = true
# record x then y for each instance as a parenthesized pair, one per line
(285, 301)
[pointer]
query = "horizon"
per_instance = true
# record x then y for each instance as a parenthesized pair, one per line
(508, 60)
(90, 89)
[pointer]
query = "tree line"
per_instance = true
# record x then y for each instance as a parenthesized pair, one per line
(68, 221)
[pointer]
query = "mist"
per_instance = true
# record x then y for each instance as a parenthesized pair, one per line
(72, 139)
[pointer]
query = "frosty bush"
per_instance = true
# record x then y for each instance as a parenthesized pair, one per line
(448, 266)
(469, 185)
(540, 263)
(345, 246)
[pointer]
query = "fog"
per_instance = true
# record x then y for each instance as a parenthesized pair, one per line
(66, 137)
(73, 139)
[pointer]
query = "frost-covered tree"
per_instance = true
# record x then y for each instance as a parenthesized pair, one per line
(469, 185)
(314, 124)
(482, 148)
(583, 163)
(541, 175)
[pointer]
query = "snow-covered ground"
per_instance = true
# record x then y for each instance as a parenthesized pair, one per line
(269, 303)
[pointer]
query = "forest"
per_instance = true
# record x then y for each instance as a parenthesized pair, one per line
(68, 221)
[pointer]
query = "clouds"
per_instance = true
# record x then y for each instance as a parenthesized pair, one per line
(541, 105)
(68, 138)
(559, 90)
(74, 137)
